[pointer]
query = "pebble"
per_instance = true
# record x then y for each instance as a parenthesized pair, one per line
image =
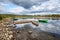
(30, 32)
(5, 33)
(10, 36)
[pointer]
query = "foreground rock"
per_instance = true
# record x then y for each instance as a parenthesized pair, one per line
(6, 30)
(29, 33)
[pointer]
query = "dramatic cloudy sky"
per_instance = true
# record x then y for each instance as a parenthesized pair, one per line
(30, 6)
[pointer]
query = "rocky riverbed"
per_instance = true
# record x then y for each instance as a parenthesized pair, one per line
(26, 32)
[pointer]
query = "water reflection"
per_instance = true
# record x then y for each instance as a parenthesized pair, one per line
(53, 26)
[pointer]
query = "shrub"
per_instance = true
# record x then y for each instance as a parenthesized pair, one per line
(0, 18)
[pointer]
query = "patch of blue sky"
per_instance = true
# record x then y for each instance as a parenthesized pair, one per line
(10, 6)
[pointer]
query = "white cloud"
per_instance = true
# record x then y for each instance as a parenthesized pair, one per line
(7, 8)
(36, 8)
(3, 7)
(5, 1)
(49, 6)
(33, 6)
(17, 9)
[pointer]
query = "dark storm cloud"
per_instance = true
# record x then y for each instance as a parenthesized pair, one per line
(28, 3)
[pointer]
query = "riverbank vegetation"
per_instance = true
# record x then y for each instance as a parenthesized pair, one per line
(30, 16)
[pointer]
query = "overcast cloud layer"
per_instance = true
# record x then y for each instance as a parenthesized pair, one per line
(30, 6)
(28, 3)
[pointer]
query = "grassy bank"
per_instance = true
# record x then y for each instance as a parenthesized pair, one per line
(53, 16)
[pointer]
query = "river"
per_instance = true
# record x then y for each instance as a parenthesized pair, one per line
(53, 26)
